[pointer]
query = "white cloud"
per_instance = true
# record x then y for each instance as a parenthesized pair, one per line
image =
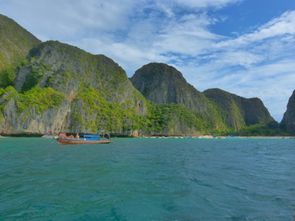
(188, 35)
(283, 25)
(205, 3)
(69, 19)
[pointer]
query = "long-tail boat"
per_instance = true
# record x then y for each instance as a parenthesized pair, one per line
(83, 139)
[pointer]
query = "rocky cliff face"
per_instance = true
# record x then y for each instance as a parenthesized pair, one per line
(68, 69)
(15, 43)
(56, 87)
(61, 87)
(163, 84)
(288, 121)
(239, 112)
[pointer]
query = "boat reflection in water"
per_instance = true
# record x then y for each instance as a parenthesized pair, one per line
(64, 138)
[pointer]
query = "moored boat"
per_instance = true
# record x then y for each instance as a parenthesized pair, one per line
(83, 139)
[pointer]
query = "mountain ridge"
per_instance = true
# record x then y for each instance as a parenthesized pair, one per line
(53, 86)
(90, 90)
(238, 111)
(157, 80)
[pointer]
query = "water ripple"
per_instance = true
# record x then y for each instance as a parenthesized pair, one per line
(148, 179)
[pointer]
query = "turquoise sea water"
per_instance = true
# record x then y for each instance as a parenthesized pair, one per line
(148, 179)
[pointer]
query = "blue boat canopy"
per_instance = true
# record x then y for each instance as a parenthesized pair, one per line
(91, 136)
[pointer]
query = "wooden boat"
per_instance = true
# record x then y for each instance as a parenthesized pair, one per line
(81, 141)
(85, 139)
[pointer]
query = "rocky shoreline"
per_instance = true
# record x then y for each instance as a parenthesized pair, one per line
(157, 136)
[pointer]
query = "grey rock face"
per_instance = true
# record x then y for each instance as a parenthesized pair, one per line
(70, 71)
(288, 121)
(163, 84)
(237, 111)
(34, 122)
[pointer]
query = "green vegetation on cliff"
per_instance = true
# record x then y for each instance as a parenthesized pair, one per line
(271, 129)
(15, 43)
(20, 108)
(40, 99)
(52, 86)
(216, 111)
(238, 112)
(174, 119)
(164, 85)
(85, 92)
(7, 76)
(91, 111)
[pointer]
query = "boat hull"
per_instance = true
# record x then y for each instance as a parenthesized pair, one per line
(80, 141)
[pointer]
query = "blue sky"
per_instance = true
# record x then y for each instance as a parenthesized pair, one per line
(243, 46)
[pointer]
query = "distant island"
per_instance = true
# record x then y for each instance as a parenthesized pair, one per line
(52, 87)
